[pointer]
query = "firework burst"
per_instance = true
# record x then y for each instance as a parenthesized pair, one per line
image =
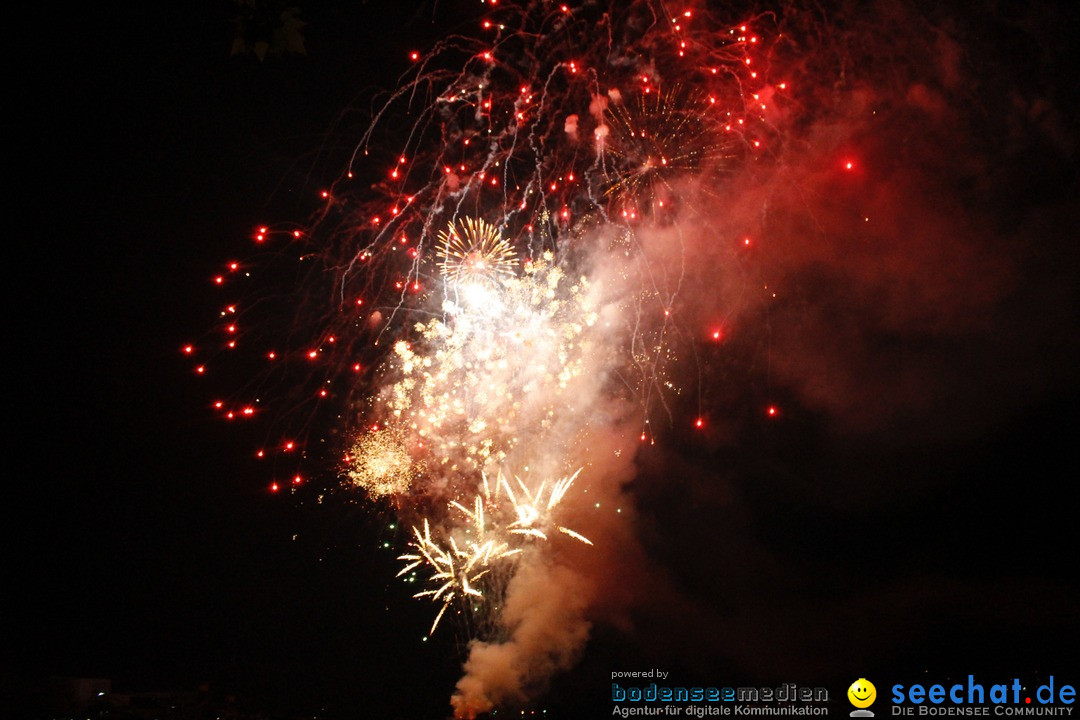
(460, 389)
(455, 570)
(655, 138)
(472, 251)
(500, 526)
(534, 507)
(451, 297)
(381, 464)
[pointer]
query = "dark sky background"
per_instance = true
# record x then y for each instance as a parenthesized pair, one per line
(142, 544)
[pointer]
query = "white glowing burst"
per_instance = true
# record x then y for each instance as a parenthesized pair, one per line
(483, 377)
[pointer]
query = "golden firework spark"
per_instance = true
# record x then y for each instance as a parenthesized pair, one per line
(499, 526)
(455, 570)
(472, 250)
(381, 464)
(534, 507)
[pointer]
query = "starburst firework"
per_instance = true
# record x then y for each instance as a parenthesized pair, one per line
(381, 464)
(473, 251)
(657, 137)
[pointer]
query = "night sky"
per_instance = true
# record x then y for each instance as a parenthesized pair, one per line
(829, 544)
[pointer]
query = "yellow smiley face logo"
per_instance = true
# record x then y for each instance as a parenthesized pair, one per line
(862, 693)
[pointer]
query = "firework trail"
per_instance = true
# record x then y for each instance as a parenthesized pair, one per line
(546, 220)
